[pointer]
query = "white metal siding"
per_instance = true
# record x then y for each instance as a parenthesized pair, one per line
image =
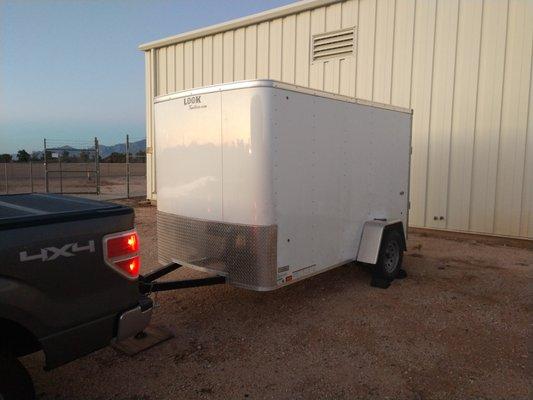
(463, 66)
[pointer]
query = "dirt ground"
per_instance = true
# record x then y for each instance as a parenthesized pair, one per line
(455, 328)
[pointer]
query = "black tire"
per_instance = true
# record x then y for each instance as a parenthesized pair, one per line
(15, 382)
(390, 255)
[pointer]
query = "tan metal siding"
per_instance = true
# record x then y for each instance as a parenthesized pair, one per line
(197, 67)
(464, 113)
(383, 50)
(250, 68)
(218, 64)
(275, 44)
(463, 66)
(180, 72)
(488, 115)
(526, 219)
(239, 55)
(188, 67)
(403, 52)
(207, 60)
(422, 75)
(511, 158)
(366, 35)
(303, 34)
(441, 112)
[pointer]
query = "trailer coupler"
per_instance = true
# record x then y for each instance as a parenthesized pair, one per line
(148, 283)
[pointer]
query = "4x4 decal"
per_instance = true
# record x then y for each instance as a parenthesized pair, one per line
(51, 253)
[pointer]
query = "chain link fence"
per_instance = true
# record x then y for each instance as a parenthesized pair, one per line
(118, 174)
(117, 180)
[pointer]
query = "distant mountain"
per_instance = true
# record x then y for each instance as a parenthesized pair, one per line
(135, 147)
(105, 151)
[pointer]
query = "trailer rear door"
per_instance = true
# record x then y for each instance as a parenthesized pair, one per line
(189, 156)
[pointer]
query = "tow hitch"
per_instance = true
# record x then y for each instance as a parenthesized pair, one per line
(148, 283)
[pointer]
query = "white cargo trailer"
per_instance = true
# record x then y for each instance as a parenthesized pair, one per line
(267, 183)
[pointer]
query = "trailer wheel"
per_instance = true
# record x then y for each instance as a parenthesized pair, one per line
(390, 255)
(15, 382)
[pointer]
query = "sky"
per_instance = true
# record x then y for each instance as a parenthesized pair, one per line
(71, 70)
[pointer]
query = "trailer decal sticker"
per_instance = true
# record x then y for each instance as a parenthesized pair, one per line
(51, 253)
(194, 102)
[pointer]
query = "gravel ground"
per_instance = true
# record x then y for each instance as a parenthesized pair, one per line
(457, 327)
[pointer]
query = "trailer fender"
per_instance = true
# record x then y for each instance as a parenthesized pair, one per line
(371, 239)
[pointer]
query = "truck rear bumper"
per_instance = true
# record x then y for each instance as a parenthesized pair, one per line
(70, 344)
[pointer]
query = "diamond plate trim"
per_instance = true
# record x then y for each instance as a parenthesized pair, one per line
(246, 254)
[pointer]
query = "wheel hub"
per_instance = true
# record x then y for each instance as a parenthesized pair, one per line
(392, 256)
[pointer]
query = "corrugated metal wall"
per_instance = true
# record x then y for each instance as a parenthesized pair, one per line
(463, 66)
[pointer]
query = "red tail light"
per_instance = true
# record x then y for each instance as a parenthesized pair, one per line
(121, 252)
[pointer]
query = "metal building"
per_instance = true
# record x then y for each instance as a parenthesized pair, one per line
(463, 66)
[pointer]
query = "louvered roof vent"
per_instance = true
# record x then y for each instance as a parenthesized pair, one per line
(333, 44)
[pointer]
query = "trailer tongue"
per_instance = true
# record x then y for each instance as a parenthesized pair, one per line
(148, 283)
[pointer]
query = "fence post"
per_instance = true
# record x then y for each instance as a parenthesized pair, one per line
(31, 175)
(60, 174)
(5, 175)
(97, 164)
(128, 166)
(45, 168)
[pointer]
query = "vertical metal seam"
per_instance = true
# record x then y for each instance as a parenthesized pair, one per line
(498, 150)
(212, 59)
(469, 225)
(268, 51)
(452, 114)
(202, 66)
(357, 48)
(244, 52)
(222, 56)
(253, 69)
(525, 147)
(374, 49)
(412, 57)
(295, 47)
(430, 113)
(176, 67)
(393, 53)
(234, 63)
(324, 29)
(308, 41)
(524, 185)
(191, 64)
(341, 60)
(281, 49)
(166, 69)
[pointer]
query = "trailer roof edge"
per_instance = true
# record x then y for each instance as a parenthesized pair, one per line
(238, 23)
(276, 84)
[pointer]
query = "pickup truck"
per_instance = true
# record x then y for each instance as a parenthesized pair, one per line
(69, 271)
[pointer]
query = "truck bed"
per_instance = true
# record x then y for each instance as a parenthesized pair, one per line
(21, 210)
(57, 282)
